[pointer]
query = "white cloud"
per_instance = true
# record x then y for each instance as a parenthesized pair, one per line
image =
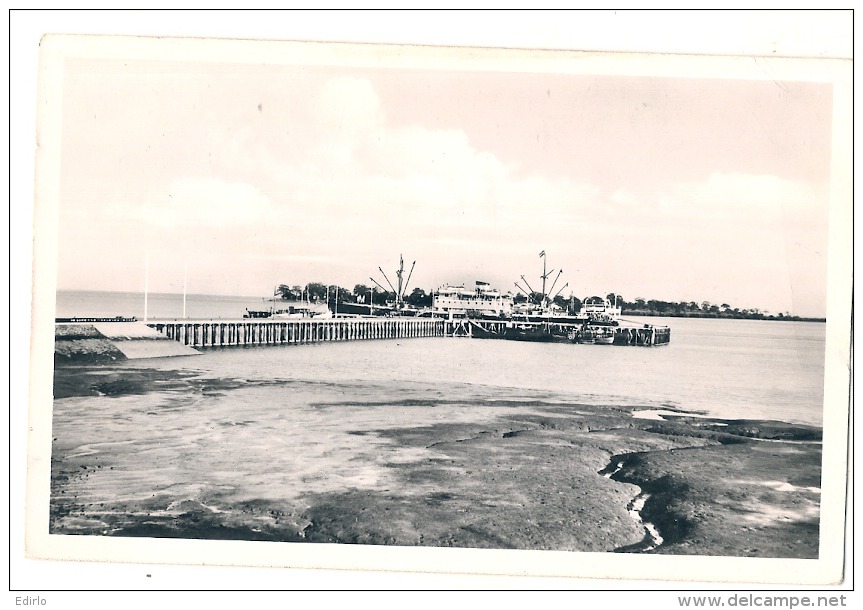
(328, 181)
(348, 107)
(759, 199)
(205, 202)
(751, 240)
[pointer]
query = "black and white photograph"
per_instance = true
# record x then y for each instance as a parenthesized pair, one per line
(409, 307)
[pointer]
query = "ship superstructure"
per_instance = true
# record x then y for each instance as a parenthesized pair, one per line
(480, 301)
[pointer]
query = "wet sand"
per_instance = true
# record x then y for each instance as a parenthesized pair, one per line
(178, 455)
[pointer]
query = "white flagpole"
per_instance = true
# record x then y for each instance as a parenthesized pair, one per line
(185, 279)
(146, 283)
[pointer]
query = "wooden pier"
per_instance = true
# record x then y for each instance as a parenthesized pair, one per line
(216, 333)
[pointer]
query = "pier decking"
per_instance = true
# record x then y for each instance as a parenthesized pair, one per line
(216, 333)
(208, 333)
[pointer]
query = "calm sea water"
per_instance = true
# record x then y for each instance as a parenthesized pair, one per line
(725, 368)
(85, 303)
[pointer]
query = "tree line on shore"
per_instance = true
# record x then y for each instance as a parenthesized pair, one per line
(693, 309)
(419, 298)
(318, 292)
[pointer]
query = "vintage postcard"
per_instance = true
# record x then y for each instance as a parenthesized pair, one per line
(485, 311)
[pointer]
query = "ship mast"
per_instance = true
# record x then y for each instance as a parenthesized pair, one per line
(399, 273)
(410, 273)
(553, 284)
(546, 273)
(544, 276)
(389, 283)
(559, 291)
(384, 290)
(185, 281)
(532, 291)
(402, 283)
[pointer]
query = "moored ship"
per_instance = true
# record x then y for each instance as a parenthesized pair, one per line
(599, 311)
(482, 301)
(296, 310)
(485, 312)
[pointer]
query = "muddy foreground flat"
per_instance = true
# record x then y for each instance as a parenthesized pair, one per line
(423, 471)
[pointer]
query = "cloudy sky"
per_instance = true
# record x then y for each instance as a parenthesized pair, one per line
(256, 175)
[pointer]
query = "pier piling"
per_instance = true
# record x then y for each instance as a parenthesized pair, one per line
(218, 333)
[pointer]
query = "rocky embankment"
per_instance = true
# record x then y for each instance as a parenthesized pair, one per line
(106, 342)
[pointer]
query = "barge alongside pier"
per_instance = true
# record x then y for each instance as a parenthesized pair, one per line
(647, 335)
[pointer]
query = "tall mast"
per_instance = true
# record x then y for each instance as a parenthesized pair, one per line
(399, 274)
(544, 274)
(559, 291)
(554, 283)
(384, 290)
(400, 281)
(146, 283)
(532, 291)
(410, 273)
(389, 283)
(185, 279)
(526, 293)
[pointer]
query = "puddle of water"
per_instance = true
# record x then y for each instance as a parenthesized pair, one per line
(617, 468)
(652, 539)
(661, 414)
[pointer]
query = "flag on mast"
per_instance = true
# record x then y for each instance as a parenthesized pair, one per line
(541, 254)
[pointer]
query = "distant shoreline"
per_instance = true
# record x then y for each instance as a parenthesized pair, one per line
(626, 312)
(770, 318)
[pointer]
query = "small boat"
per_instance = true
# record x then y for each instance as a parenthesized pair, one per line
(538, 334)
(297, 311)
(303, 311)
(604, 336)
(478, 332)
(587, 336)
